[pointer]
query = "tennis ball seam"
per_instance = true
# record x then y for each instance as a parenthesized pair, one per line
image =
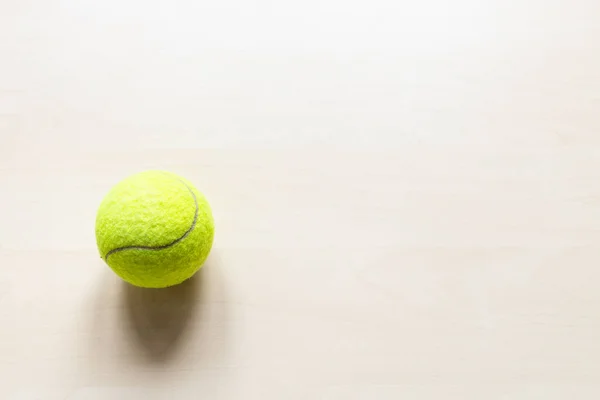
(164, 246)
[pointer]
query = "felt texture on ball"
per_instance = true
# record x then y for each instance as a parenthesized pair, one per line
(154, 229)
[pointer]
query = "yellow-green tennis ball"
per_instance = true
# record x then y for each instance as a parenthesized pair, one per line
(154, 229)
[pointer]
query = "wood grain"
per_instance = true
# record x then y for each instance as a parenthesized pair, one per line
(407, 198)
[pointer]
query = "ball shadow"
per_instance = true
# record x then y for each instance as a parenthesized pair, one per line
(157, 318)
(126, 328)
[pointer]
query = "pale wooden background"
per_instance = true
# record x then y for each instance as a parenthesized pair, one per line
(407, 198)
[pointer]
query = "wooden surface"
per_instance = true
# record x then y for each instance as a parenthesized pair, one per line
(407, 198)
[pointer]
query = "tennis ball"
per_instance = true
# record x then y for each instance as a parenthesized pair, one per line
(154, 229)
